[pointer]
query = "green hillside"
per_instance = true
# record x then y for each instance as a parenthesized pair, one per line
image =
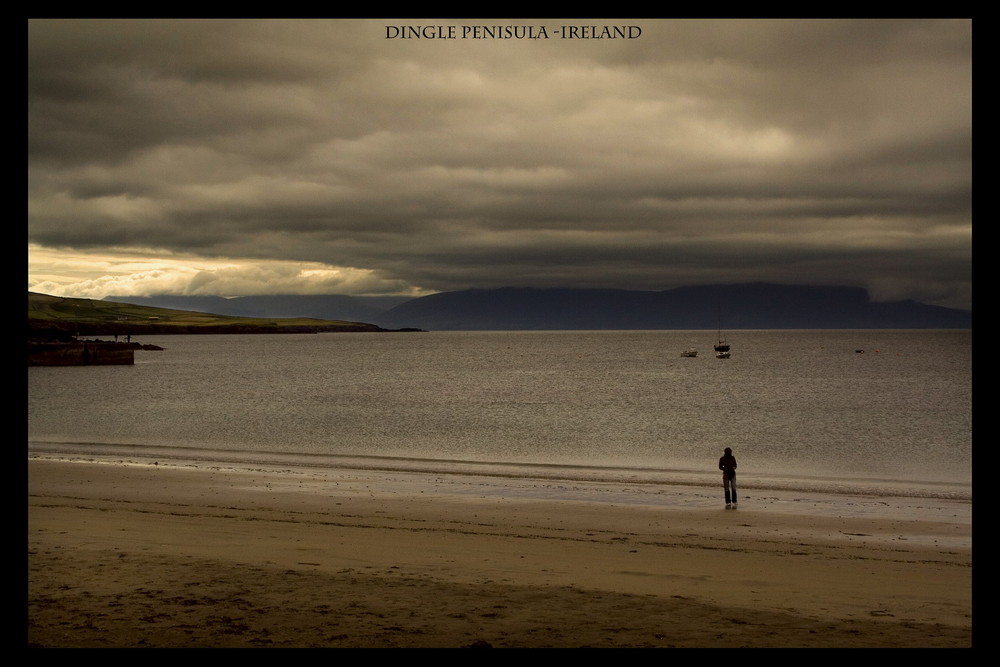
(54, 316)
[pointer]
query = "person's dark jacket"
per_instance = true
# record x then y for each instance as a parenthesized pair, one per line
(727, 464)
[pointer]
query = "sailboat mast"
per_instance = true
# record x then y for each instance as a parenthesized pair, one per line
(722, 346)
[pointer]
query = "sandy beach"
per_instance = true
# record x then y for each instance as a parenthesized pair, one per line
(159, 554)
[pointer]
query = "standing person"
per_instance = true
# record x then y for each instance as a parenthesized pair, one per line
(727, 464)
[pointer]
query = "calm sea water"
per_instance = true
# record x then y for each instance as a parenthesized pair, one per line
(797, 407)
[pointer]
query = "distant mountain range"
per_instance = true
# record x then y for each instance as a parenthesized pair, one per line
(739, 306)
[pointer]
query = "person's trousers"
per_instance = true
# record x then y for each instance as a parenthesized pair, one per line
(729, 484)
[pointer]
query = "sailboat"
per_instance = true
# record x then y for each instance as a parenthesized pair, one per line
(722, 347)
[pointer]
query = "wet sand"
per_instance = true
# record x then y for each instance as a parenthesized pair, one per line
(144, 554)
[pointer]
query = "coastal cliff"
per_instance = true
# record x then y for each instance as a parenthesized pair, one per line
(57, 325)
(60, 317)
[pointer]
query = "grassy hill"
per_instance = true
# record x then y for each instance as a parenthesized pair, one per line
(54, 316)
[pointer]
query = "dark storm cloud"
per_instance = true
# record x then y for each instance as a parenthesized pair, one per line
(702, 151)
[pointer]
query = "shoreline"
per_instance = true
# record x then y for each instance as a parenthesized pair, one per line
(173, 555)
(760, 482)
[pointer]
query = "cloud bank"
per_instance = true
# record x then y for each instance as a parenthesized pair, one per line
(238, 157)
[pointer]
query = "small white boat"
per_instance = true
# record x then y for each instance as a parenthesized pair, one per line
(722, 354)
(690, 352)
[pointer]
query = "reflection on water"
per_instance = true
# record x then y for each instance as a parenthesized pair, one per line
(793, 404)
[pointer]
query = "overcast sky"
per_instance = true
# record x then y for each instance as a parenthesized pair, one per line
(238, 157)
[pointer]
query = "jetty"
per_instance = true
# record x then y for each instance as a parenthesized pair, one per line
(83, 352)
